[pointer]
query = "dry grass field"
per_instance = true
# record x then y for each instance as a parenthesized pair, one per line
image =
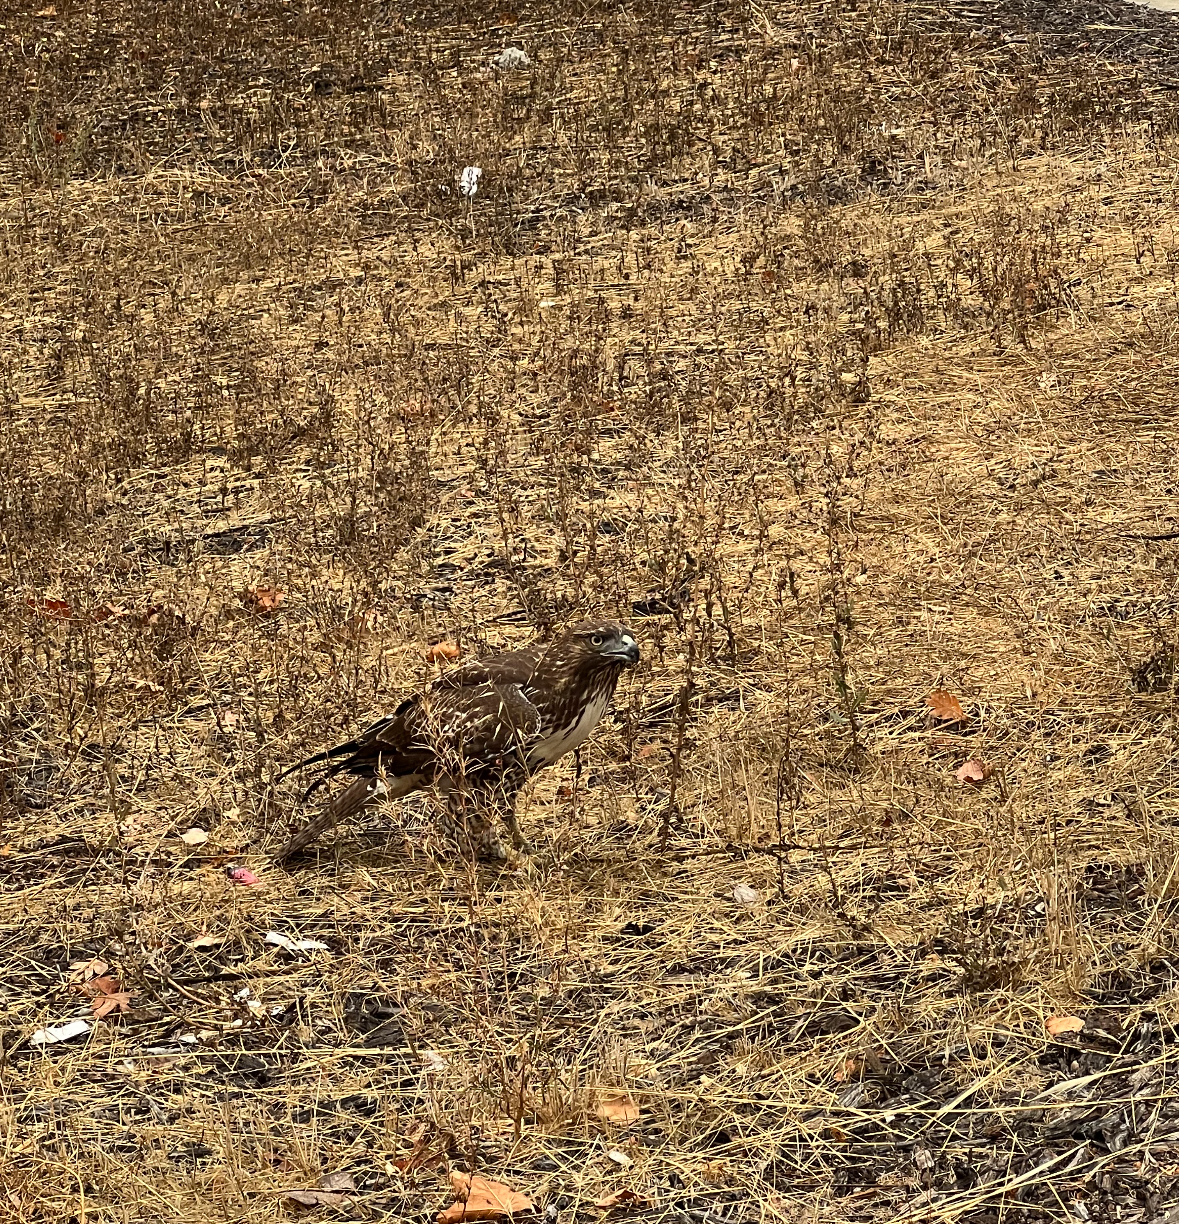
(835, 347)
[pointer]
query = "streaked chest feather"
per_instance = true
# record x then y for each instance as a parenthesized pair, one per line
(566, 739)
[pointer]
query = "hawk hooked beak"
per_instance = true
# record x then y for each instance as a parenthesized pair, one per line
(627, 650)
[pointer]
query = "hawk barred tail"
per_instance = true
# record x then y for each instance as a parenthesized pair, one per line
(347, 803)
(479, 732)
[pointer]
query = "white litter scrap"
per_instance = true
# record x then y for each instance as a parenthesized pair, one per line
(59, 1032)
(433, 1061)
(511, 58)
(279, 940)
(469, 180)
(744, 895)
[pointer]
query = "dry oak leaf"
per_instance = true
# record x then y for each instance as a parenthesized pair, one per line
(479, 1199)
(973, 771)
(265, 601)
(945, 706)
(107, 996)
(83, 971)
(332, 1191)
(622, 1198)
(618, 1110)
(1063, 1024)
(443, 652)
(53, 609)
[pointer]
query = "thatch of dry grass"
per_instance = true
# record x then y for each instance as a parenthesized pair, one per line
(837, 349)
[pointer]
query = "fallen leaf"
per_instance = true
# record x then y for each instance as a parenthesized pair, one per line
(851, 1069)
(84, 970)
(332, 1191)
(207, 941)
(46, 12)
(621, 1159)
(744, 895)
(623, 1198)
(973, 771)
(617, 1110)
(279, 940)
(106, 995)
(647, 751)
(60, 1032)
(265, 601)
(52, 609)
(240, 875)
(443, 652)
(106, 984)
(479, 1199)
(194, 837)
(1063, 1024)
(945, 706)
(104, 1004)
(108, 611)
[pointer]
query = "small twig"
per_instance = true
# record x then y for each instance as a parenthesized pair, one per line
(681, 722)
(1133, 535)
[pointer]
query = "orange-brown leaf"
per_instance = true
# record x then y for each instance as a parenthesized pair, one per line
(479, 1199)
(105, 992)
(443, 652)
(974, 771)
(1063, 1024)
(105, 984)
(51, 609)
(265, 601)
(618, 1110)
(945, 706)
(102, 1005)
(622, 1198)
(852, 1068)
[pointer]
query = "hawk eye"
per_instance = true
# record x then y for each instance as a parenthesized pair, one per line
(597, 640)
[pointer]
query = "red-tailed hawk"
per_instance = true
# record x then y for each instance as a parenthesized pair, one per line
(479, 732)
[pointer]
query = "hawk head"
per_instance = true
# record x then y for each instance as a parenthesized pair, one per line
(598, 645)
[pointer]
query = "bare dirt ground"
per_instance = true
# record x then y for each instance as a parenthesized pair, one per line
(834, 347)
